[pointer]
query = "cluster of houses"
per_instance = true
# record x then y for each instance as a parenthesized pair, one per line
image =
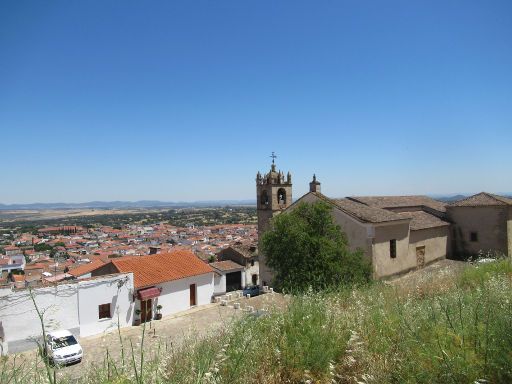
(124, 291)
(53, 253)
(96, 279)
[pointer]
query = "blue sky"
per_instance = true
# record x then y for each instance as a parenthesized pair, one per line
(167, 100)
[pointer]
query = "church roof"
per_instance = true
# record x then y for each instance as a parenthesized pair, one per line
(360, 211)
(482, 199)
(423, 220)
(400, 202)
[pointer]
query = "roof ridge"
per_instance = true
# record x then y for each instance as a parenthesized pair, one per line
(500, 198)
(497, 198)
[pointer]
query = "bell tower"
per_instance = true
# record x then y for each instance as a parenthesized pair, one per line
(273, 194)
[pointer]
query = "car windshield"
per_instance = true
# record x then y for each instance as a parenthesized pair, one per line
(62, 342)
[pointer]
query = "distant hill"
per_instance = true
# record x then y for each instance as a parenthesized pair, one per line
(126, 204)
(451, 198)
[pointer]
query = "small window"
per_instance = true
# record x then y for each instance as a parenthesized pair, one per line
(104, 311)
(252, 263)
(264, 198)
(473, 236)
(392, 248)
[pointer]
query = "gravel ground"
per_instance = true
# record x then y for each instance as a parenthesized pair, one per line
(172, 331)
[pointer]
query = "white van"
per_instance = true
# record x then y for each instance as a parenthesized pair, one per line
(62, 348)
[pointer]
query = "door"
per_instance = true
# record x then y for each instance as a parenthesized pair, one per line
(233, 281)
(420, 256)
(192, 295)
(146, 310)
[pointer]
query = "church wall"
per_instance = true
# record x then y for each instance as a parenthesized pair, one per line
(357, 233)
(490, 223)
(435, 241)
(383, 264)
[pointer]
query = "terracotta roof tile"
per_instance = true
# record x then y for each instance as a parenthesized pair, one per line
(86, 268)
(482, 199)
(162, 267)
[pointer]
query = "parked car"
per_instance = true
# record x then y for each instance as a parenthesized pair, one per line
(62, 348)
(252, 290)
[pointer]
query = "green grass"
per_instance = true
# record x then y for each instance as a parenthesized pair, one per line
(458, 333)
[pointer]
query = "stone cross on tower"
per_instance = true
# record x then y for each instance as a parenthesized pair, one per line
(273, 156)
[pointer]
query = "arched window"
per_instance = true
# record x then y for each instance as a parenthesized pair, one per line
(264, 198)
(281, 196)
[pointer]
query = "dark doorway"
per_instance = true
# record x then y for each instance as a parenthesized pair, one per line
(192, 295)
(146, 310)
(254, 279)
(233, 281)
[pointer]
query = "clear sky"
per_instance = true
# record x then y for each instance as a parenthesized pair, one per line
(168, 100)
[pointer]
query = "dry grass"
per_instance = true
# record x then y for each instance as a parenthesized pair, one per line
(456, 329)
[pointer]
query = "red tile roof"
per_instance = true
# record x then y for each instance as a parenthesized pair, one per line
(86, 268)
(162, 267)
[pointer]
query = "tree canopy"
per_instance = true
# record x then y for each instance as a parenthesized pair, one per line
(306, 248)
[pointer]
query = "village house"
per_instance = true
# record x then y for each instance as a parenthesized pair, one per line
(175, 281)
(229, 276)
(245, 255)
(84, 307)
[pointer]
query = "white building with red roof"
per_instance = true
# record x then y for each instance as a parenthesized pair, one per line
(176, 281)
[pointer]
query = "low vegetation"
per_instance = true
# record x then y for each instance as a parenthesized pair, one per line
(450, 330)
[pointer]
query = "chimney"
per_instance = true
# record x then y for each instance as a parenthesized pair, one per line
(314, 186)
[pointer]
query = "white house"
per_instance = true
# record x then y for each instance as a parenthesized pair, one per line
(176, 281)
(245, 255)
(12, 262)
(85, 307)
(229, 276)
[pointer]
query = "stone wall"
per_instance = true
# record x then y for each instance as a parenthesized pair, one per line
(490, 223)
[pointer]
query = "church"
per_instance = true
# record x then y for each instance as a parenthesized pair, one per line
(397, 233)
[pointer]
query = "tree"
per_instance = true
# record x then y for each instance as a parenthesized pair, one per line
(41, 247)
(305, 248)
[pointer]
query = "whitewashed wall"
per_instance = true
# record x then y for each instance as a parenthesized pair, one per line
(71, 306)
(19, 317)
(219, 284)
(116, 291)
(249, 271)
(175, 296)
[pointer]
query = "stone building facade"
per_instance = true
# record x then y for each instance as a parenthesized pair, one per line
(482, 223)
(398, 233)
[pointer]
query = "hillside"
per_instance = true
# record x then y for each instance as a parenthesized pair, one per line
(452, 325)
